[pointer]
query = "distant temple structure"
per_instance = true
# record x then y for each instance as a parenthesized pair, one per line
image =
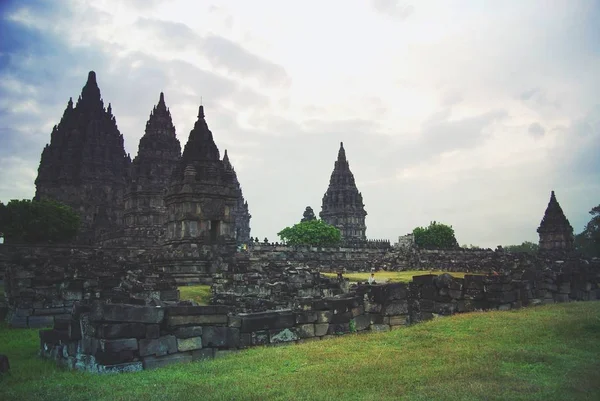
(556, 233)
(241, 214)
(342, 203)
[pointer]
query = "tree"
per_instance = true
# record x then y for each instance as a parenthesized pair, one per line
(25, 221)
(588, 241)
(526, 247)
(312, 232)
(437, 235)
(308, 215)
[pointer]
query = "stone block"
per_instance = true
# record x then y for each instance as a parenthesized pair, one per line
(188, 331)
(196, 320)
(396, 308)
(444, 308)
(203, 354)
(474, 294)
(455, 294)
(123, 344)
(23, 312)
(158, 346)
(399, 320)
(306, 317)
(197, 310)
(558, 297)
(102, 312)
(282, 335)
(169, 295)
(53, 337)
(121, 330)
(359, 310)
(305, 330)
(380, 327)
(340, 318)
(429, 292)
(37, 322)
(152, 331)
(362, 322)
(564, 288)
(113, 358)
(220, 337)
(338, 328)
(321, 329)
(424, 279)
(267, 321)
(259, 338)
(189, 344)
(372, 307)
(396, 291)
(324, 316)
(121, 368)
(153, 362)
(234, 321)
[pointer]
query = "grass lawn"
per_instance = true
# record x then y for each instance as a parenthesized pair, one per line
(543, 353)
(198, 293)
(397, 277)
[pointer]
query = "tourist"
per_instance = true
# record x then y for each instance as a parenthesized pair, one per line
(372, 278)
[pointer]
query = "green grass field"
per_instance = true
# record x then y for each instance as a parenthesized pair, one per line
(542, 353)
(396, 277)
(198, 293)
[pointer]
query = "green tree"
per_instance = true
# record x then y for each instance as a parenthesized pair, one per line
(312, 232)
(526, 246)
(26, 221)
(437, 235)
(588, 241)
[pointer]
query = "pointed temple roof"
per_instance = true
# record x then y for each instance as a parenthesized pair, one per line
(159, 149)
(342, 191)
(86, 142)
(554, 219)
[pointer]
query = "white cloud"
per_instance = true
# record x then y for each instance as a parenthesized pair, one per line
(464, 112)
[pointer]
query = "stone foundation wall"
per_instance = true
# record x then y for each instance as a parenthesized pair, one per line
(43, 283)
(106, 338)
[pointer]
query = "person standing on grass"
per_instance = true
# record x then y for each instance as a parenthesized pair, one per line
(372, 278)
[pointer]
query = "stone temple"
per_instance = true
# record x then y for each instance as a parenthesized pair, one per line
(556, 233)
(161, 197)
(342, 203)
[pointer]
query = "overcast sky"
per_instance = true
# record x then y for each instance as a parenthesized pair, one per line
(464, 112)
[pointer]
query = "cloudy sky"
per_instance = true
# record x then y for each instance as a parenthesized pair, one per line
(464, 112)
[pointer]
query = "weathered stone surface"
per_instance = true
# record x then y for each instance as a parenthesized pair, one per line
(267, 320)
(121, 330)
(220, 337)
(380, 327)
(196, 320)
(362, 322)
(153, 362)
(120, 345)
(126, 313)
(321, 329)
(324, 316)
(159, 346)
(121, 368)
(196, 310)
(306, 317)
(305, 330)
(188, 331)
(36, 322)
(283, 335)
(189, 344)
(396, 308)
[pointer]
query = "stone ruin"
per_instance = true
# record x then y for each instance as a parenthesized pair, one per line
(169, 219)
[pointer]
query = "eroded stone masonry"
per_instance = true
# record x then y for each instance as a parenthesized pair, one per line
(169, 219)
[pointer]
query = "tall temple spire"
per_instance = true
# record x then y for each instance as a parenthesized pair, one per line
(241, 213)
(556, 233)
(85, 165)
(342, 203)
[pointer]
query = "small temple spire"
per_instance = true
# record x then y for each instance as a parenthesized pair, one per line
(201, 112)
(92, 78)
(342, 152)
(556, 233)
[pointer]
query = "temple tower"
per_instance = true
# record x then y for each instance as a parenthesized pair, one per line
(241, 213)
(556, 233)
(158, 154)
(85, 165)
(202, 194)
(342, 203)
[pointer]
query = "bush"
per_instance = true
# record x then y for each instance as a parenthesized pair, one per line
(437, 235)
(312, 232)
(26, 221)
